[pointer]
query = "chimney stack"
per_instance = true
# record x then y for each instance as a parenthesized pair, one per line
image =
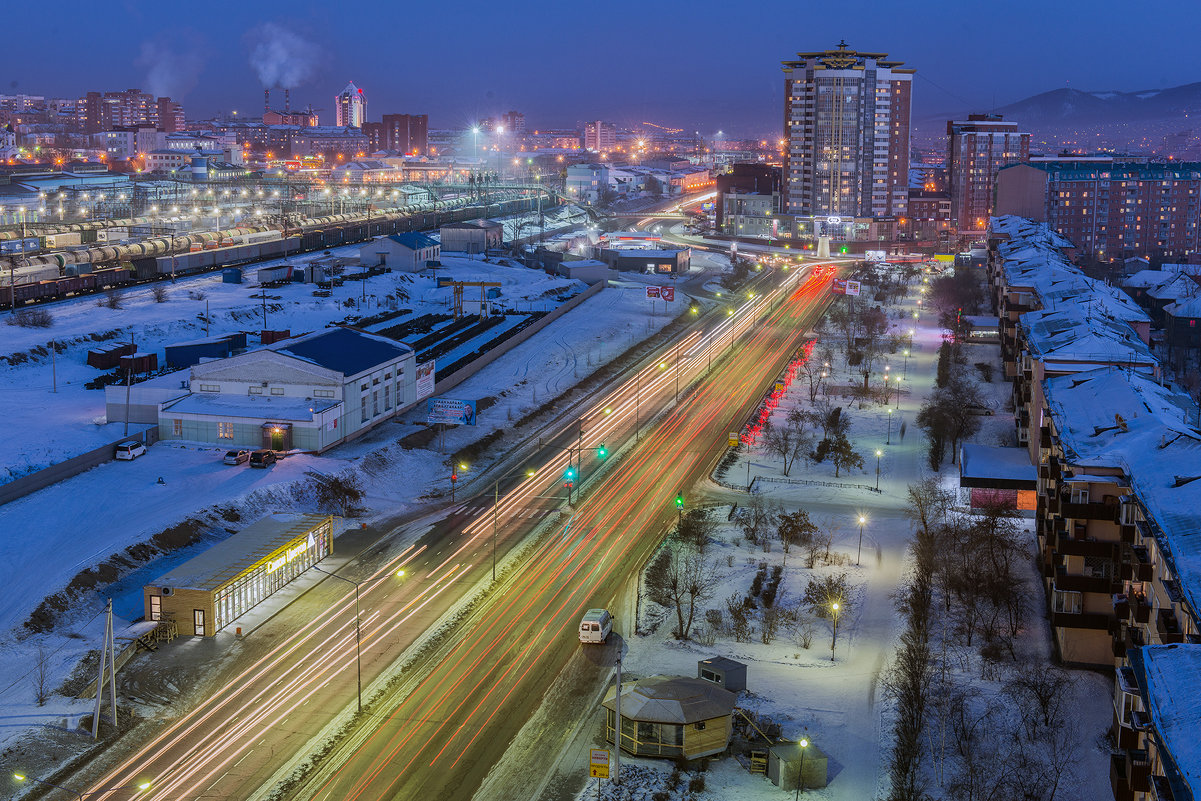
(287, 100)
(266, 100)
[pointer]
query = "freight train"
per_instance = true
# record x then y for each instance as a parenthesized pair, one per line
(51, 276)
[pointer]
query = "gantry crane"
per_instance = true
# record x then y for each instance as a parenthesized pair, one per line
(458, 293)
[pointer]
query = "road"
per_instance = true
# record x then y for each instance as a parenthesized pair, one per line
(441, 738)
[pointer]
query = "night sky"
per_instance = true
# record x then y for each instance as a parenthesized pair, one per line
(702, 65)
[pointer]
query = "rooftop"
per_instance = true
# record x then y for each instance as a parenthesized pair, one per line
(256, 407)
(1170, 676)
(669, 699)
(344, 350)
(414, 240)
(230, 558)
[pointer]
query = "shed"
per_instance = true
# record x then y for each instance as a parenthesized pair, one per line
(186, 354)
(670, 716)
(139, 362)
(784, 766)
(724, 672)
(990, 475)
(409, 251)
(107, 357)
(231, 275)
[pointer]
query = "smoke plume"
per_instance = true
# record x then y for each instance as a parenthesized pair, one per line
(282, 59)
(172, 63)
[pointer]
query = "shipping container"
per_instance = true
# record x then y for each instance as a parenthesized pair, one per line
(275, 275)
(107, 357)
(271, 337)
(137, 363)
(231, 275)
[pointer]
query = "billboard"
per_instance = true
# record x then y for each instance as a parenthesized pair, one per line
(873, 255)
(425, 379)
(844, 286)
(652, 291)
(451, 412)
(668, 293)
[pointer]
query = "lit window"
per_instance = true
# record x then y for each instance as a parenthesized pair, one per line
(225, 430)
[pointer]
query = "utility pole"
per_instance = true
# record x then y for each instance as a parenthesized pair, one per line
(107, 655)
(53, 366)
(128, 382)
(617, 730)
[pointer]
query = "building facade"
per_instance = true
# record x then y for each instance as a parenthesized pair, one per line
(846, 131)
(350, 107)
(599, 136)
(976, 149)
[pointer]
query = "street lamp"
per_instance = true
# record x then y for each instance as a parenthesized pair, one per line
(879, 453)
(357, 654)
(21, 777)
(800, 779)
(863, 520)
(495, 505)
(905, 372)
(888, 440)
(834, 640)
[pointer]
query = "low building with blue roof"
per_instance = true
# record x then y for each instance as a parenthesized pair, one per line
(306, 393)
(410, 251)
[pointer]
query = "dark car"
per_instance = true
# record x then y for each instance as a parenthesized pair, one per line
(975, 408)
(237, 456)
(262, 458)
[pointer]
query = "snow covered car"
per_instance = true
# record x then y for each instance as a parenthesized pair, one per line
(127, 451)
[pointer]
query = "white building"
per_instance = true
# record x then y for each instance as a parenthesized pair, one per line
(309, 393)
(407, 251)
(471, 236)
(351, 107)
(586, 181)
(599, 136)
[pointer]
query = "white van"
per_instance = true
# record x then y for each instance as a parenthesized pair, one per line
(596, 625)
(128, 451)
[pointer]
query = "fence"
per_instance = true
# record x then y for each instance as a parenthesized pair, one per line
(812, 483)
(43, 478)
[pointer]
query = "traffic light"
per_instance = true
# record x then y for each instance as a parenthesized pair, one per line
(680, 500)
(843, 249)
(454, 477)
(569, 474)
(601, 451)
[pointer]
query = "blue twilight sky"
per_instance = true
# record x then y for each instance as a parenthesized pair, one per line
(704, 65)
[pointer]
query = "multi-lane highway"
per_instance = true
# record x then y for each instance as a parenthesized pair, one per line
(439, 732)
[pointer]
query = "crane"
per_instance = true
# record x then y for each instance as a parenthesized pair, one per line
(458, 293)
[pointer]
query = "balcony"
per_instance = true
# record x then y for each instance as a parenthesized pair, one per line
(1090, 511)
(1075, 582)
(1127, 534)
(1086, 546)
(1140, 609)
(1168, 627)
(1080, 620)
(1119, 781)
(1121, 606)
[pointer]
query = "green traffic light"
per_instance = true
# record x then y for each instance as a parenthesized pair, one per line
(679, 500)
(601, 451)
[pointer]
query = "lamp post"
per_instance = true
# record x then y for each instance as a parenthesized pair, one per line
(800, 778)
(834, 607)
(859, 551)
(879, 453)
(905, 372)
(495, 512)
(357, 654)
(21, 777)
(888, 439)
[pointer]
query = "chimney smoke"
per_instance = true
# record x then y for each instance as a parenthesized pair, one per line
(287, 100)
(266, 100)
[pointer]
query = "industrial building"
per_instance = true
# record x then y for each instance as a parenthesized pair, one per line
(410, 251)
(472, 236)
(212, 590)
(308, 393)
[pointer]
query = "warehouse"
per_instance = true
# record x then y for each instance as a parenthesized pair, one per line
(210, 591)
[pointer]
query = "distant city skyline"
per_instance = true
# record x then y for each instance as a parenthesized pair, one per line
(707, 69)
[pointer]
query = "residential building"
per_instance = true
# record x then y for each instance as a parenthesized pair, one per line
(1111, 209)
(336, 144)
(350, 107)
(410, 251)
(599, 136)
(1182, 332)
(308, 393)
(976, 149)
(587, 182)
(400, 133)
(744, 180)
(846, 126)
(514, 122)
(97, 112)
(1156, 690)
(928, 217)
(170, 115)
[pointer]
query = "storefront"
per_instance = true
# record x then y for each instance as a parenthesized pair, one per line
(209, 592)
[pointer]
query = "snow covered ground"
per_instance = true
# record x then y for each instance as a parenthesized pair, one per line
(57, 532)
(839, 704)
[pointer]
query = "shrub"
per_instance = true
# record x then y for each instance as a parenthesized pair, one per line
(31, 318)
(159, 293)
(696, 784)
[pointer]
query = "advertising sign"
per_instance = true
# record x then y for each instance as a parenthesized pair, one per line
(843, 286)
(425, 379)
(852, 287)
(873, 255)
(733, 439)
(598, 763)
(668, 293)
(451, 412)
(652, 291)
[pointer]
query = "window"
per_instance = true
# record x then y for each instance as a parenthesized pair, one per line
(323, 393)
(256, 390)
(363, 408)
(210, 387)
(277, 390)
(225, 430)
(1066, 602)
(156, 607)
(177, 427)
(699, 725)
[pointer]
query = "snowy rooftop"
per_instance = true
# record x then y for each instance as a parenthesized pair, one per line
(1071, 335)
(991, 462)
(670, 699)
(1117, 419)
(1171, 676)
(230, 557)
(253, 406)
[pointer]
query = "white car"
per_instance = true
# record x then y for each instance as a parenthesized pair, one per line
(129, 450)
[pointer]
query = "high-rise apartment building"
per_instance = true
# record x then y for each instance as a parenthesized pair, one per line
(350, 107)
(600, 137)
(846, 126)
(514, 122)
(401, 133)
(976, 149)
(97, 112)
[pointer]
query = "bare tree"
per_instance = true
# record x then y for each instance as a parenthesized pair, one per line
(790, 440)
(338, 493)
(41, 689)
(756, 520)
(688, 581)
(815, 374)
(159, 293)
(795, 528)
(695, 529)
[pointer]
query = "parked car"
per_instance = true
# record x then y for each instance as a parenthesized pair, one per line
(263, 458)
(975, 408)
(237, 456)
(595, 626)
(127, 451)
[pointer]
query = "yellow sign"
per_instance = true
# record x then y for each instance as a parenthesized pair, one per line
(733, 439)
(285, 558)
(598, 763)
